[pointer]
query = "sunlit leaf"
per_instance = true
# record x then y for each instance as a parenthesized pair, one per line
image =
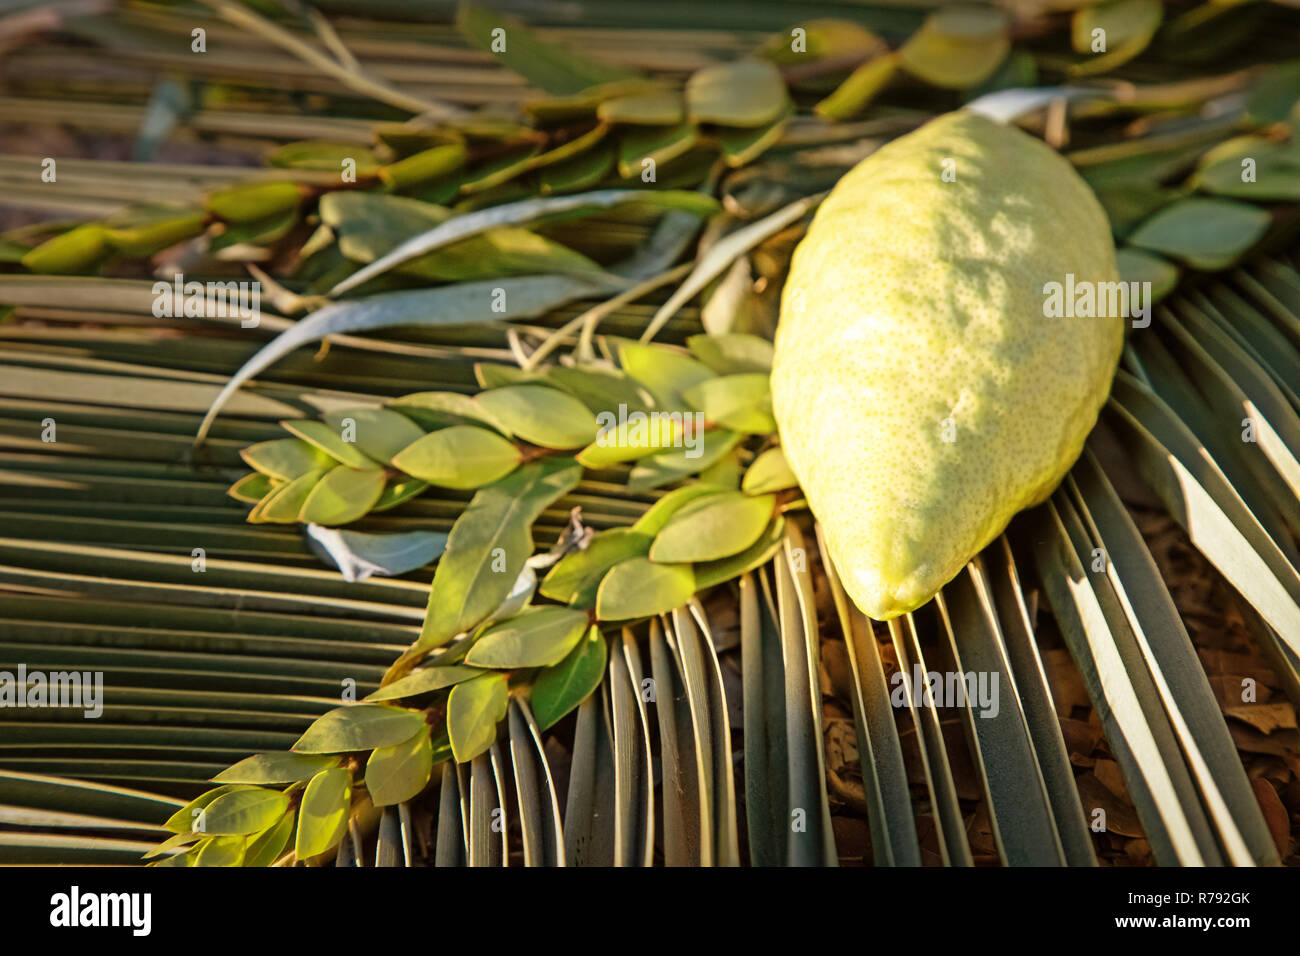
(639, 587)
(537, 637)
(399, 772)
(474, 708)
(358, 727)
(461, 456)
(323, 813)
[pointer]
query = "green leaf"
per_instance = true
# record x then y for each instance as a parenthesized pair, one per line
(380, 433)
(957, 47)
(713, 527)
(653, 521)
(474, 708)
(769, 472)
(759, 553)
(329, 441)
(251, 488)
(323, 814)
(143, 230)
(424, 681)
(732, 353)
(76, 250)
(556, 69)
(245, 202)
(1127, 28)
(1138, 266)
(584, 171)
(286, 458)
(575, 577)
(343, 495)
(660, 144)
(186, 819)
(279, 767)
(657, 108)
(323, 157)
(399, 772)
(434, 410)
(1250, 167)
(636, 435)
(862, 86)
(667, 373)
(220, 851)
(1274, 95)
(536, 637)
(740, 93)
(265, 848)
(400, 488)
(473, 576)
(1207, 234)
(461, 456)
(359, 727)
(601, 390)
(677, 463)
(244, 811)
(432, 163)
(283, 504)
(557, 690)
(739, 402)
(639, 587)
(541, 415)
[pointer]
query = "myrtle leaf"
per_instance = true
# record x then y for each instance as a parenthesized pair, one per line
(732, 353)
(286, 458)
(342, 495)
(359, 727)
(767, 473)
(557, 690)
(380, 433)
(575, 577)
(700, 452)
(284, 503)
(541, 415)
(653, 521)
(1207, 234)
(713, 527)
(474, 708)
(323, 813)
(462, 456)
(329, 441)
(958, 47)
(424, 681)
(537, 637)
(760, 552)
(741, 93)
(639, 587)
(399, 772)
(488, 546)
(280, 767)
(265, 848)
(740, 402)
(244, 811)
(252, 488)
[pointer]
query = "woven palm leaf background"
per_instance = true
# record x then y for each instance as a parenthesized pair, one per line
(385, 171)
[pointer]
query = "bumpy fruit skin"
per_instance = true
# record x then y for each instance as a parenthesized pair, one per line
(914, 313)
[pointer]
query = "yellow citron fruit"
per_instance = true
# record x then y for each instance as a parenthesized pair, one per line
(923, 394)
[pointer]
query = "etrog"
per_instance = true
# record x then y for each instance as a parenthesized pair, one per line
(923, 393)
